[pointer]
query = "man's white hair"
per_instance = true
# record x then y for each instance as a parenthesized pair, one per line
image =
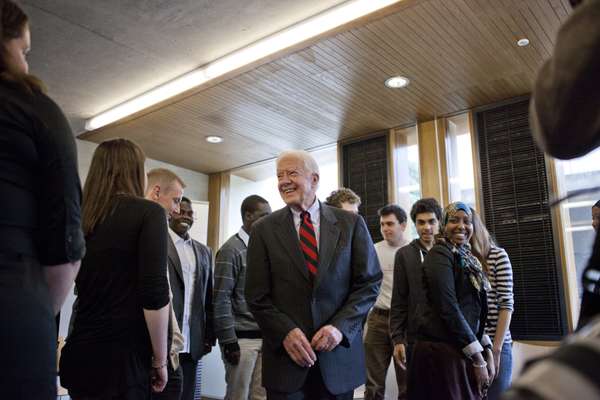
(310, 165)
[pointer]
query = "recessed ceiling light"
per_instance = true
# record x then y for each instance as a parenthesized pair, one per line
(523, 42)
(396, 82)
(214, 139)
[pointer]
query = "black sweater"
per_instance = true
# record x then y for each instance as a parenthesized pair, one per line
(41, 195)
(408, 294)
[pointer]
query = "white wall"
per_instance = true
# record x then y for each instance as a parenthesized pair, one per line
(196, 190)
(197, 183)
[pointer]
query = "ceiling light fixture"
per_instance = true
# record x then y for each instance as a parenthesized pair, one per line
(214, 139)
(523, 42)
(396, 82)
(272, 44)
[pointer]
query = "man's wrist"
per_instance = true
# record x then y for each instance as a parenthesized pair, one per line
(477, 358)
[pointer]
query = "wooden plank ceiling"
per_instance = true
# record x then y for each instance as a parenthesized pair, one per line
(458, 54)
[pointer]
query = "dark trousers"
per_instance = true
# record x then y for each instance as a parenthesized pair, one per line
(189, 366)
(174, 387)
(379, 352)
(28, 331)
(313, 389)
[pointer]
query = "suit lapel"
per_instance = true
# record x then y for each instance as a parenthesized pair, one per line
(328, 240)
(174, 259)
(200, 273)
(288, 237)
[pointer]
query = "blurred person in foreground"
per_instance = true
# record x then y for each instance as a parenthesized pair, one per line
(41, 242)
(566, 123)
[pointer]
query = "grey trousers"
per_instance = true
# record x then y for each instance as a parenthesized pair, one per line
(244, 380)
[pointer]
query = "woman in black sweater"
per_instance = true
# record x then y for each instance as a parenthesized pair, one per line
(41, 241)
(452, 359)
(118, 346)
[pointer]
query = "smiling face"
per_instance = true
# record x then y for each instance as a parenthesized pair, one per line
(459, 228)
(182, 221)
(427, 226)
(297, 185)
(16, 52)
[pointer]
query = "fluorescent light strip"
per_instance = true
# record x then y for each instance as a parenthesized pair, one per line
(288, 37)
(577, 204)
(579, 228)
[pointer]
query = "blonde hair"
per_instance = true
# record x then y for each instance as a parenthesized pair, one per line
(164, 178)
(117, 168)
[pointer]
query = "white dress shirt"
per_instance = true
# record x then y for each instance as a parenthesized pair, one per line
(185, 250)
(315, 218)
(244, 236)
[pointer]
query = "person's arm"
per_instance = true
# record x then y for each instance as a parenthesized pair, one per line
(366, 280)
(60, 280)
(59, 238)
(399, 305)
(227, 265)
(399, 309)
(157, 322)
(209, 332)
(271, 320)
(505, 298)
(226, 274)
(566, 97)
(153, 287)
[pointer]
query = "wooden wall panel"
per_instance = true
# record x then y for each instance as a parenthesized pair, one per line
(432, 158)
(218, 198)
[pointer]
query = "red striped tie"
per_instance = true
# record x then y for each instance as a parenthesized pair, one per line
(308, 243)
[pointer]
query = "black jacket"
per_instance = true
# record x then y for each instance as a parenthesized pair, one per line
(456, 311)
(408, 294)
(201, 324)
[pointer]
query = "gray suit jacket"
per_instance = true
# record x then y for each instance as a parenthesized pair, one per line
(201, 324)
(281, 296)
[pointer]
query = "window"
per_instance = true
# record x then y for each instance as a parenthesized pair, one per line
(459, 156)
(261, 179)
(406, 170)
(576, 213)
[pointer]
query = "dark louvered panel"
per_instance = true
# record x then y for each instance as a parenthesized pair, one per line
(515, 197)
(365, 172)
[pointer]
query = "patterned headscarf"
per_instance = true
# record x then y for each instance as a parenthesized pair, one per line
(468, 261)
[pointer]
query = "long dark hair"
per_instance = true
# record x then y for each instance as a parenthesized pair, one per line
(117, 168)
(13, 22)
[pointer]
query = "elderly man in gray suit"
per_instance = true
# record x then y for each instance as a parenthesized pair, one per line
(312, 276)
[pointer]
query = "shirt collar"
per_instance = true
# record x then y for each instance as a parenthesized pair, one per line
(314, 211)
(178, 239)
(244, 236)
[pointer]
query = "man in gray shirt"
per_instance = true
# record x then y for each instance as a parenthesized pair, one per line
(239, 335)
